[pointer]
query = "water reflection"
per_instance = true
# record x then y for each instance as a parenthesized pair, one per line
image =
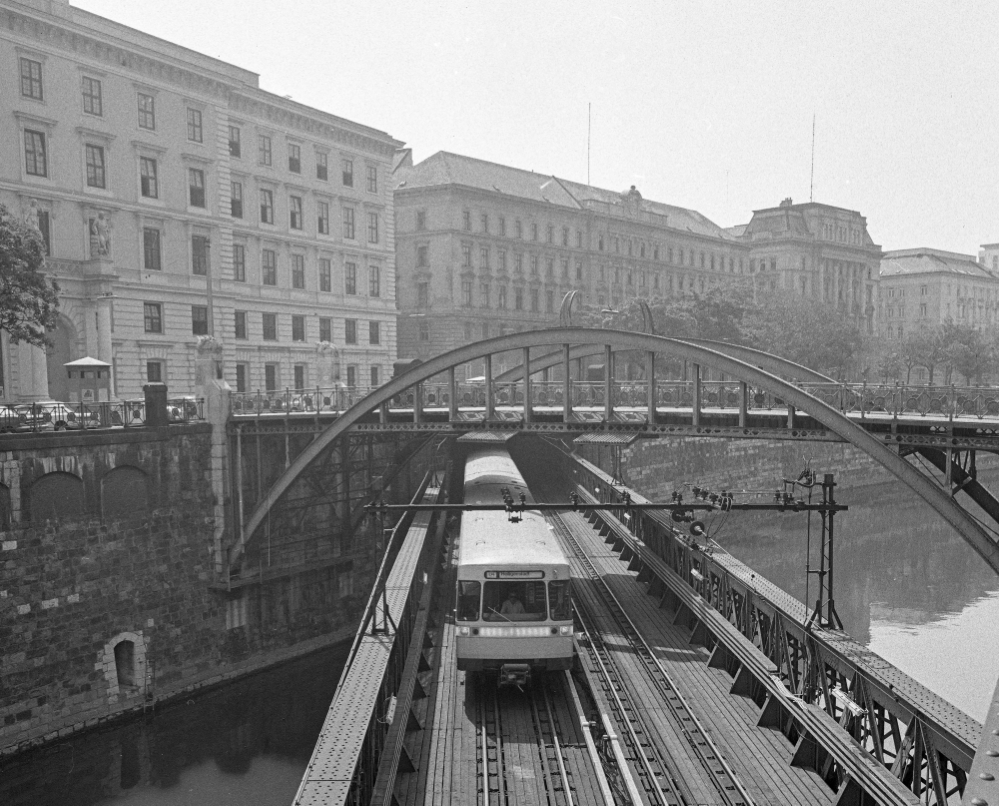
(906, 583)
(245, 743)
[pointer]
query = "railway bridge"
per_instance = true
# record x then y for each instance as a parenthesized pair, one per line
(822, 719)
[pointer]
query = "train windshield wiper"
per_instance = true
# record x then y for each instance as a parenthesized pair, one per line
(497, 612)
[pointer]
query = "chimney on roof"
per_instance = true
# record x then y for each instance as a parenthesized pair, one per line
(787, 202)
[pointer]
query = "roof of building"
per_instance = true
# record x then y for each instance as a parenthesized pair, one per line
(923, 260)
(445, 168)
(781, 222)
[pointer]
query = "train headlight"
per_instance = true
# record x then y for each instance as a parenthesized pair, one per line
(463, 631)
(565, 629)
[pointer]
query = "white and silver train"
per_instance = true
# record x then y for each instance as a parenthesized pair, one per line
(514, 596)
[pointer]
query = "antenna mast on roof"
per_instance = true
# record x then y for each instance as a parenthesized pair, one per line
(589, 106)
(811, 181)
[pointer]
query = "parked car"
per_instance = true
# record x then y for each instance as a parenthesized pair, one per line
(45, 414)
(12, 421)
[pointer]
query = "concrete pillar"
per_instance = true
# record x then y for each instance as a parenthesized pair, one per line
(104, 348)
(34, 374)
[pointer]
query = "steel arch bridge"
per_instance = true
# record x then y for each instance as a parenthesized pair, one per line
(747, 366)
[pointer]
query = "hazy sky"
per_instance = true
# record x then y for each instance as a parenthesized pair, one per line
(706, 105)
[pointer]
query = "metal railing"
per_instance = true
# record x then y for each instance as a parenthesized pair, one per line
(57, 416)
(897, 399)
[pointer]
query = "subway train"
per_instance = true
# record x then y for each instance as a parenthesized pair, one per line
(513, 611)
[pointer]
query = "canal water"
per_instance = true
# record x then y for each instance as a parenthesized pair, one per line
(907, 586)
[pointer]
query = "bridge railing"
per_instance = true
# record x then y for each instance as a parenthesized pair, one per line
(966, 402)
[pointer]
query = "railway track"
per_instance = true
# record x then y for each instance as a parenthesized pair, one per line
(504, 719)
(659, 777)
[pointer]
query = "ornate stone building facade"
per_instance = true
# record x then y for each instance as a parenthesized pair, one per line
(486, 249)
(177, 199)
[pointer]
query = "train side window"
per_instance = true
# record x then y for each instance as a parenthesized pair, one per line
(468, 600)
(561, 601)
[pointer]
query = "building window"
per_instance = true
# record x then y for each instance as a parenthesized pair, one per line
(484, 218)
(151, 249)
(372, 227)
(194, 132)
(236, 200)
(534, 265)
(484, 258)
(421, 220)
(534, 232)
(269, 321)
(350, 331)
(534, 300)
(424, 332)
(263, 149)
(466, 220)
(93, 103)
(149, 185)
(35, 161)
(298, 271)
(153, 315)
(549, 302)
(518, 228)
(147, 112)
(266, 206)
(196, 184)
(199, 254)
(466, 255)
(502, 226)
(351, 381)
(235, 147)
(422, 294)
(154, 372)
(579, 269)
(375, 379)
(294, 158)
(483, 295)
(501, 301)
(350, 278)
(518, 299)
(565, 267)
(269, 265)
(298, 328)
(347, 171)
(422, 259)
(372, 179)
(348, 223)
(323, 217)
(295, 212)
(518, 262)
(96, 176)
(466, 293)
(199, 320)
(322, 165)
(31, 79)
(325, 274)
(565, 236)
(242, 384)
(550, 234)
(374, 333)
(239, 263)
(501, 259)
(325, 328)
(270, 377)
(374, 281)
(299, 376)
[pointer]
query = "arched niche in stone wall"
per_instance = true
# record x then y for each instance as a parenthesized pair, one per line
(124, 492)
(56, 495)
(6, 512)
(124, 664)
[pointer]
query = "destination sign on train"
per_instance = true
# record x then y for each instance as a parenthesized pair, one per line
(510, 574)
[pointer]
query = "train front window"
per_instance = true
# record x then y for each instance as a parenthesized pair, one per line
(561, 601)
(469, 592)
(514, 601)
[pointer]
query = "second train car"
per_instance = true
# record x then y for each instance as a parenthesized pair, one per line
(514, 597)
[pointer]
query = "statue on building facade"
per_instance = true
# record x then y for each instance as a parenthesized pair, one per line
(101, 232)
(30, 216)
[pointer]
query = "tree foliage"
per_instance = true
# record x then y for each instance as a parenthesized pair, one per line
(28, 301)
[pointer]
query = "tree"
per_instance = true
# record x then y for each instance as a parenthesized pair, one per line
(28, 301)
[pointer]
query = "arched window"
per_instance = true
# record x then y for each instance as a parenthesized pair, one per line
(56, 495)
(124, 662)
(123, 492)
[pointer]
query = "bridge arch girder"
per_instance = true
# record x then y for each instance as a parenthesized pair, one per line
(715, 356)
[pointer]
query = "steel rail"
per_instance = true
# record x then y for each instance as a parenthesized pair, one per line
(549, 738)
(724, 778)
(491, 772)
